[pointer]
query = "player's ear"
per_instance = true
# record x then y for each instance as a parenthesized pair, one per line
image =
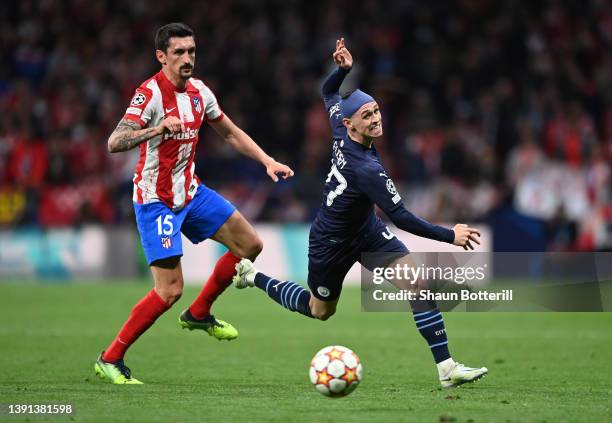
(347, 122)
(161, 56)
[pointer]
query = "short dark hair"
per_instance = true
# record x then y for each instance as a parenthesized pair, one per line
(174, 29)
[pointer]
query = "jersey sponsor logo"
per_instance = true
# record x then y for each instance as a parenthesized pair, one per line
(323, 291)
(133, 111)
(197, 104)
(166, 242)
(187, 135)
(166, 111)
(138, 99)
(340, 160)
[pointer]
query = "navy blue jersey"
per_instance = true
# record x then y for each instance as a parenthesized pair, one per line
(357, 180)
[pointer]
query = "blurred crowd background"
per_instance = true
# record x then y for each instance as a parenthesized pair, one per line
(495, 111)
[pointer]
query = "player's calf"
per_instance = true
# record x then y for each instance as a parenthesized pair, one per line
(143, 315)
(288, 294)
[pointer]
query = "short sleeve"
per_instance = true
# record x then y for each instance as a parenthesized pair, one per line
(140, 109)
(212, 110)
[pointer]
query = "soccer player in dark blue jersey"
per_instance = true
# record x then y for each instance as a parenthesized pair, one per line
(346, 225)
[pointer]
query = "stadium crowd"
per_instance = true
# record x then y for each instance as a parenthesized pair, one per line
(486, 104)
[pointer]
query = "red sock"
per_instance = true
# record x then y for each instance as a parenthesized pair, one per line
(220, 279)
(143, 315)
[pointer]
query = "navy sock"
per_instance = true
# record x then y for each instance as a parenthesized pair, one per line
(431, 326)
(288, 294)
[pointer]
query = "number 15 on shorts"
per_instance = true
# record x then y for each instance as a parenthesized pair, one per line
(165, 226)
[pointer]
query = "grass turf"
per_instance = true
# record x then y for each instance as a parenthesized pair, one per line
(543, 366)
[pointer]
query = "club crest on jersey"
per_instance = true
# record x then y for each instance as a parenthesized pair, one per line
(166, 242)
(138, 99)
(197, 104)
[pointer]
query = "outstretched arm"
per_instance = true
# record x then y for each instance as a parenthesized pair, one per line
(408, 222)
(239, 139)
(461, 235)
(375, 183)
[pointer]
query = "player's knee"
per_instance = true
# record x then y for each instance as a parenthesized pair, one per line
(257, 246)
(252, 248)
(172, 292)
(323, 313)
(174, 295)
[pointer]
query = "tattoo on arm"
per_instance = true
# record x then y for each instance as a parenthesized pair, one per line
(128, 135)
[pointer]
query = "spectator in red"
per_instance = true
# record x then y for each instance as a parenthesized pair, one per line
(28, 161)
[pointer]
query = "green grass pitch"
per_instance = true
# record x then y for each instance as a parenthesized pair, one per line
(544, 367)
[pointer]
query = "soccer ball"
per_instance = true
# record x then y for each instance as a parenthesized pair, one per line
(335, 371)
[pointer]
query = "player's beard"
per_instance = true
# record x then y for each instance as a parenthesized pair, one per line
(185, 72)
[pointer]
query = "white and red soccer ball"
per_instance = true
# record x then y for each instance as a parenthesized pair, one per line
(335, 371)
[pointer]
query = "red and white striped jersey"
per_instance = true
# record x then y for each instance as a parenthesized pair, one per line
(166, 170)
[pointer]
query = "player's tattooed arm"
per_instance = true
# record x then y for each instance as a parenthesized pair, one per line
(128, 134)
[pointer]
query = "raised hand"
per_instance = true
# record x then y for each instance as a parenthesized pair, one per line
(342, 57)
(464, 236)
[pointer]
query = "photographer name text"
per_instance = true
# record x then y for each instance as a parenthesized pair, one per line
(427, 295)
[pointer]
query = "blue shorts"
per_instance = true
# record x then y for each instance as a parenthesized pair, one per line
(328, 263)
(160, 228)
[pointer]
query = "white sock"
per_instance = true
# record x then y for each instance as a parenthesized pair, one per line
(444, 367)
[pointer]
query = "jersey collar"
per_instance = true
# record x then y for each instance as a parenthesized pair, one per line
(167, 84)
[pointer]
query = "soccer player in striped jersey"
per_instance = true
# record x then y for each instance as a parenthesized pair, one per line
(163, 120)
(346, 225)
